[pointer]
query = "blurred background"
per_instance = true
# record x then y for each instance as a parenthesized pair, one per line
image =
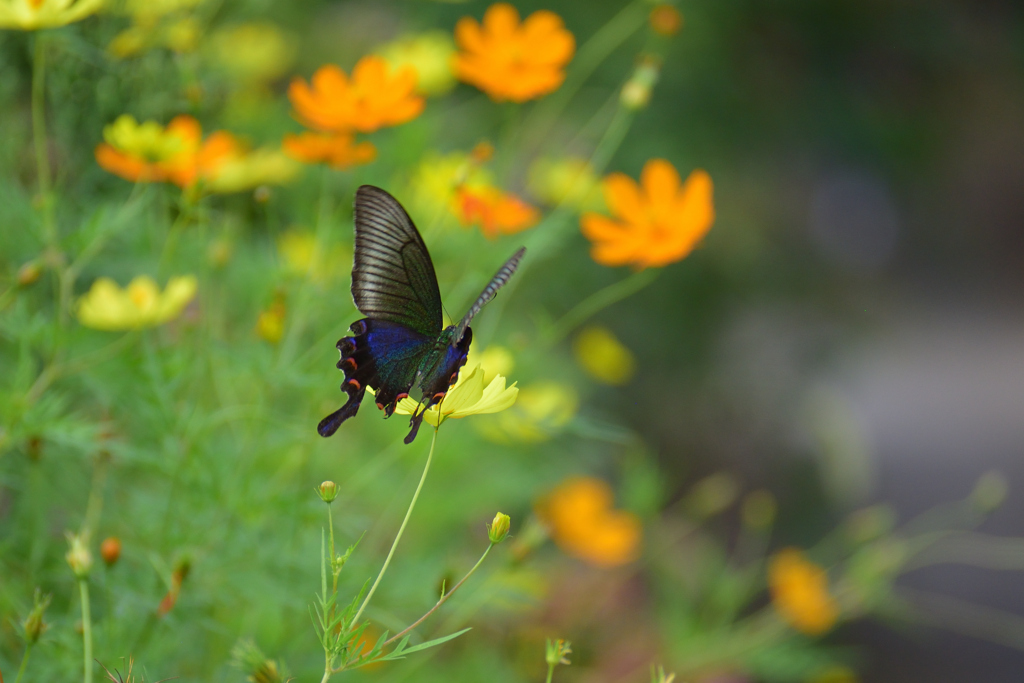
(847, 335)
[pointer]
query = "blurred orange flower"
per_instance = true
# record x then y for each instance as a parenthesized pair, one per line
(580, 518)
(496, 212)
(656, 223)
(149, 152)
(376, 96)
(513, 61)
(337, 149)
(799, 591)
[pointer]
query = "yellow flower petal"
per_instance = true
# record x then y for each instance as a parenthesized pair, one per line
(141, 304)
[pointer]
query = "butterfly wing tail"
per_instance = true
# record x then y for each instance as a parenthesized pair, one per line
(330, 424)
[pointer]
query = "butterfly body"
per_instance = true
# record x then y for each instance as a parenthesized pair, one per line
(400, 345)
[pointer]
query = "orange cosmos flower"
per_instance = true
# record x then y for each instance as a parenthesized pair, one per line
(513, 61)
(800, 594)
(656, 223)
(496, 212)
(337, 149)
(376, 96)
(148, 152)
(580, 518)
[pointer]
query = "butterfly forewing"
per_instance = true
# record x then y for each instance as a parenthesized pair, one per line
(393, 277)
(496, 283)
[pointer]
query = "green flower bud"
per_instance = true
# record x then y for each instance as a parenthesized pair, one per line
(78, 556)
(34, 625)
(990, 491)
(557, 652)
(636, 93)
(498, 529)
(328, 491)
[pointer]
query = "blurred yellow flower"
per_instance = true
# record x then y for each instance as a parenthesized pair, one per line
(301, 255)
(438, 177)
(376, 96)
(141, 304)
(469, 396)
(543, 409)
(252, 169)
(29, 15)
(657, 222)
(430, 54)
(270, 323)
(254, 52)
(581, 520)
(494, 360)
(569, 181)
(510, 60)
(799, 590)
(147, 32)
(496, 212)
(335, 149)
(603, 356)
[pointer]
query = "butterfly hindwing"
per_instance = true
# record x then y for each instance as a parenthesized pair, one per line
(393, 277)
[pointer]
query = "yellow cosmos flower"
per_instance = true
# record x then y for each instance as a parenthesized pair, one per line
(270, 323)
(581, 520)
(301, 256)
(799, 590)
(438, 177)
(510, 60)
(469, 396)
(264, 166)
(569, 181)
(255, 52)
(141, 304)
(29, 15)
(543, 410)
(603, 356)
(494, 360)
(430, 54)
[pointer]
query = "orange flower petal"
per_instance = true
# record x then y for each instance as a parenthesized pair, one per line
(501, 20)
(623, 197)
(660, 182)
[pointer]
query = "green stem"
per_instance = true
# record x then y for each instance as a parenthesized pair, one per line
(599, 300)
(401, 530)
(24, 663)
(443, 599)
(83, 589)
(551, 672)
(39, 139)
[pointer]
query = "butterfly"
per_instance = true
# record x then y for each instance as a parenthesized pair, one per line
(401, 343)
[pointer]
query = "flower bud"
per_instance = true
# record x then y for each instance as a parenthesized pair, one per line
(498, 529)
(990, 491)
(34, 625)
(328, 491)
(110, 550)
(557, 652)
(665, 20)
(78, 556)
(636, 93)
(29, 273)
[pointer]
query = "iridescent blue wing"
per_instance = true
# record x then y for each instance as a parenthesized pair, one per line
(393, 277)
(383, 356)
(496, 283)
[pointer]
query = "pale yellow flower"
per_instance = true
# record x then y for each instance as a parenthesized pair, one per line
(148, 141)
(469, 396)
(542, 411)
(570, 181)
(603, 356)
(253, 52)
(430, 54)
(29, 15)
(301, 256)
(494, 360)
(438, 177)
(141, 304)
(264, 166)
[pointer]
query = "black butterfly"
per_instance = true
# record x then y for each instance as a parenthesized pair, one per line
(400, 343)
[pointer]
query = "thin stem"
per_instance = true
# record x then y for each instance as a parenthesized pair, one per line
(401, 530)
(600, 300)
(24, 663)
(83, 589)
(39, 138)
(551, 672)
(442, 600)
